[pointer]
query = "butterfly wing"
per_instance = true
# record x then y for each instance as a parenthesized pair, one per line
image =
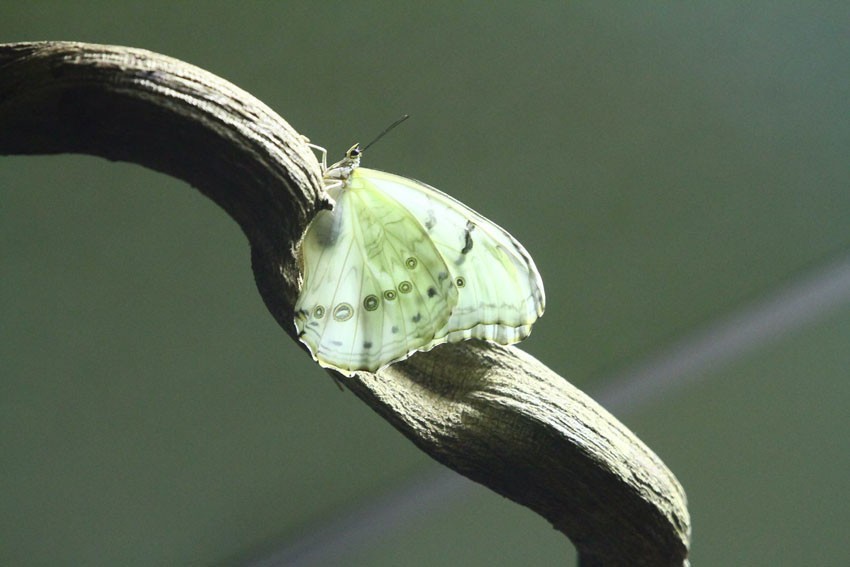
(375, 286)
(500, 290)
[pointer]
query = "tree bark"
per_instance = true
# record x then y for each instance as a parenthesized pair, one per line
(492, 413)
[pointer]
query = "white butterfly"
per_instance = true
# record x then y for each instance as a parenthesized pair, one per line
(398, 267)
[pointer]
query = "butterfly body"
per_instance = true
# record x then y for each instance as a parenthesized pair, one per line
(398, 267)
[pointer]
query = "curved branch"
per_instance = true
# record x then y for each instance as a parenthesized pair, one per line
(492, 413)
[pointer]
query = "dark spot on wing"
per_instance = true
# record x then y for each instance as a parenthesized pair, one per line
(442, 276)
(367, 344)
(467, 238)
(431, 291)
(394, 329)
(431, 221)
(416, 318)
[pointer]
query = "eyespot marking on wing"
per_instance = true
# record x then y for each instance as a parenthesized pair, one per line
(343, 312)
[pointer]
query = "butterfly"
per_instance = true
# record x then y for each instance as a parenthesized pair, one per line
(397, 266)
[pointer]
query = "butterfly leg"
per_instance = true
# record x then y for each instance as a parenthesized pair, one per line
(322, 152)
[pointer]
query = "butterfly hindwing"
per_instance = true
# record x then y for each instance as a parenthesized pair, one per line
(375, 289)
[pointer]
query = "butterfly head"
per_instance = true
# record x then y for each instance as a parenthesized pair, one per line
(354, 153)
(342, 170)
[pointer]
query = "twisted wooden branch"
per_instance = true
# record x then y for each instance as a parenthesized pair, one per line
(492, 413)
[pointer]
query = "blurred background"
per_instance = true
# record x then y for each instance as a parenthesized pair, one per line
(679, 172)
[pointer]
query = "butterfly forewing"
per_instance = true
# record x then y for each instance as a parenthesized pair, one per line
(500, 291)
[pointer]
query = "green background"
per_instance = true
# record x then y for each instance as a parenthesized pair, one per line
(670, 166)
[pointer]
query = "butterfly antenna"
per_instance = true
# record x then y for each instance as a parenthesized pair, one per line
(386, 130)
